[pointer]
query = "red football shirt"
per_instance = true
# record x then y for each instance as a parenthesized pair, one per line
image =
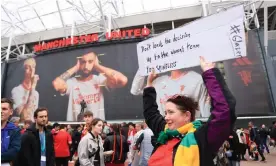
(61, 144)
(22, 131)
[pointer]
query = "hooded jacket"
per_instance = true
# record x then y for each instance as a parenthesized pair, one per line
(10, 142)
(210, 136)
(30, 152)
(87, 149)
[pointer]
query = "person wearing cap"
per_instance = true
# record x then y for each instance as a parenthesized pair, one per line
(25, 96)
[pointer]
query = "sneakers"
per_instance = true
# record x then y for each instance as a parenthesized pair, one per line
(263, 160)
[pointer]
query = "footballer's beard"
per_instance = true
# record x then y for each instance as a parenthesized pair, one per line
(85, 74)
(42, 124)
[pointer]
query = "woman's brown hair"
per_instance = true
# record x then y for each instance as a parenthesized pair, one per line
(184, 104)
(94, 123)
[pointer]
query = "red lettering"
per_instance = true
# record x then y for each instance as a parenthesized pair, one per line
(62, 43)
(145, 31)
(129, 32)
(82, 39)
(68, 41)
(92, 97)
(94, 37)
(97, 97)
(37, 47)
(119, 34)
(44, 47)
(123, 34)
(89, 99)
(116, 34)
(50, 45)
(75, 40)
(89, 96)
(88, 38)
(56, 43)
(137, 32)
(108, 36)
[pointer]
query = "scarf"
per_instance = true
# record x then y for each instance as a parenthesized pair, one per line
(187, 153)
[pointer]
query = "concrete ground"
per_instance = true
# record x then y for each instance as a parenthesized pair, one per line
(270, 160)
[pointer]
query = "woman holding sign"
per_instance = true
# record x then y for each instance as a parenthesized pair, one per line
(184, 141)
(185, 82)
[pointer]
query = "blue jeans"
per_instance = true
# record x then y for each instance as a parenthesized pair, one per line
(234, 163)
(264, 144)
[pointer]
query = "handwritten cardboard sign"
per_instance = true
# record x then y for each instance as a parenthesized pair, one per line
(217, 37)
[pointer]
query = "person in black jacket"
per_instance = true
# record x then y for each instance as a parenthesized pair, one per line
(263, 135)
(117, 142)
(124, 129)
(76, 137)
(37, 147)
(255, 137)
(180, 132)
(234, 158)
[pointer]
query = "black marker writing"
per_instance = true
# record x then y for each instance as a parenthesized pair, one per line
(163, 55)
(149, 59)
(156, 45)
(146, 48)
(149, 69)
(166, 66)
(180, 36)
(176, 51)
(167, 41)
(235, 29)
(236, 39)
(192, 46)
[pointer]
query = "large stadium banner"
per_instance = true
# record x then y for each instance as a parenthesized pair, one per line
(246, 79)
(106, 78)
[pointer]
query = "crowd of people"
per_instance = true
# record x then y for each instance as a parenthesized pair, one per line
(94, 143)
(176, 139)
(252, 142)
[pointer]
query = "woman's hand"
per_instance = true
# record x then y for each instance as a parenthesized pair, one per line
(206, 65)
(151, 78)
